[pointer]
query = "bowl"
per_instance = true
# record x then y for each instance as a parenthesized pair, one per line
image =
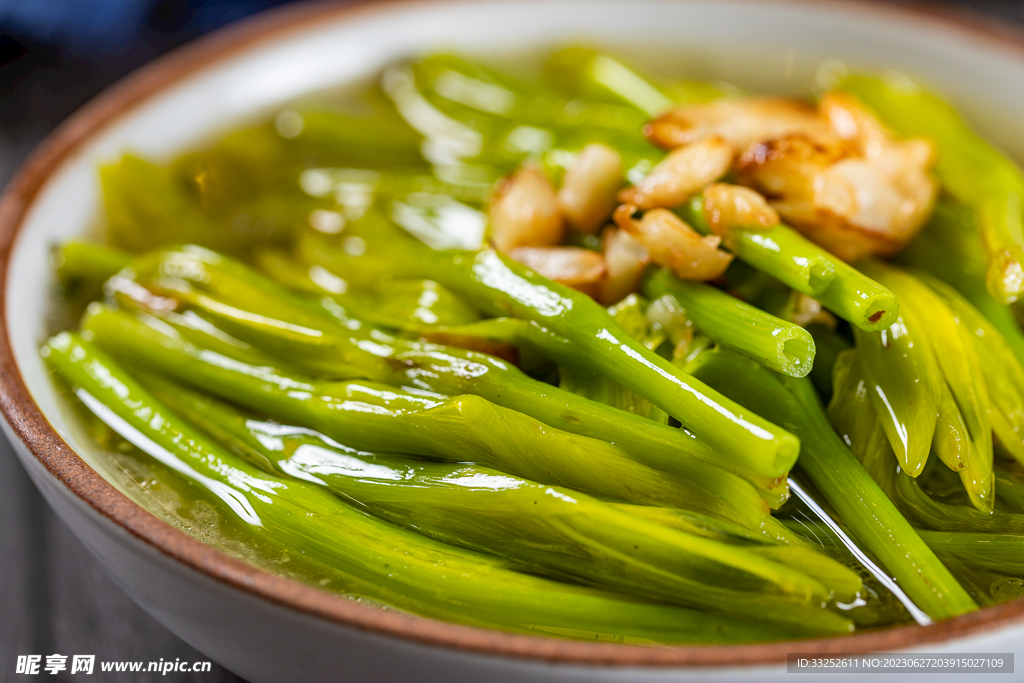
(269, 628)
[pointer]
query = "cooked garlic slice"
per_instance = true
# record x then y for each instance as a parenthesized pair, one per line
(574, 267)
(739, 121)
(681, 174)
(674, 244)
(524, 212)
(587, 197)
(625, 260)
(734, 206)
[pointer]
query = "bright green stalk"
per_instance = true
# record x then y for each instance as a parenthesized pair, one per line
(970, 168)
(500, 286)
(333, 353)
(1002, 373)
(777, 542)
(906, 381)
(389, 564)
(951, 441)
(963, 395)
(998, 552)
(786, 255)
(486, 335)
(455, 84)
(779, 251)
(702, 525)
(950, 249)
(384, 418)
(863, 507)
(859, 300)
(85, 262)
(347, 349)
(631, 314)
(450, 370)
(583, 72)
(736, 325)
(538, 527)
(854, 418)
(478, 116)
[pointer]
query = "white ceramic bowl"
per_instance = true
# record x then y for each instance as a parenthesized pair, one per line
(267, 628)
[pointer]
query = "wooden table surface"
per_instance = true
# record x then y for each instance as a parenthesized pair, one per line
(54, 597)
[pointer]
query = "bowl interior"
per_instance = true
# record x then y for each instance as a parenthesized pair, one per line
(760, 46)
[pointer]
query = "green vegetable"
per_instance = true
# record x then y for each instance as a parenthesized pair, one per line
(470, 91)
(785, 254)
(84, 263)
(386, 563)
(778, 251)
(771, 341)
(585, 72)
(450, 370)
(631, 314)
(854, 418)
(318, 344)
(582, 72)
(346, 375)
(557, 531)
(963, 403)
(950, 249)
(384, 418)
(834, 471)
(999, 552)
(499, 286)
(970, 169)
(1001, 371)
(905, 382)
(859, 300)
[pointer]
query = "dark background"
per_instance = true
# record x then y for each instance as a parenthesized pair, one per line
(54, 56)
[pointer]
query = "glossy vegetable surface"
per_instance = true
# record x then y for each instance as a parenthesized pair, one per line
(386, 563)
(548, 351)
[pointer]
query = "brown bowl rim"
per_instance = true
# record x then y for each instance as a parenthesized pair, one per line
(31, 426)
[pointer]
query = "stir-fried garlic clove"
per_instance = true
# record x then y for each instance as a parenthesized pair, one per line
(734, 206)
(850, 121)
(625, 260)
(581, 269)
(740, 121)
(852, 189)
(524, 212)
(684, 172)
(674, 244)
(587, 197)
